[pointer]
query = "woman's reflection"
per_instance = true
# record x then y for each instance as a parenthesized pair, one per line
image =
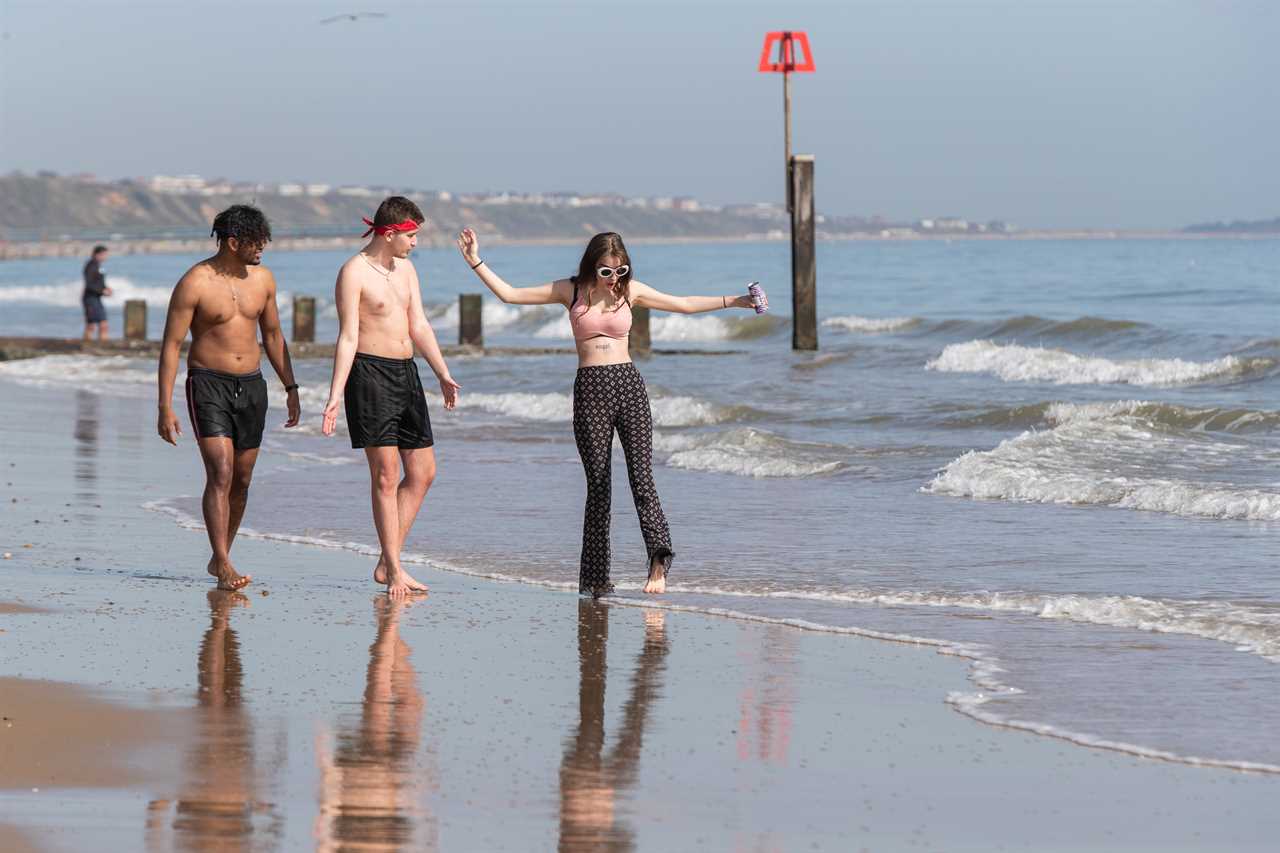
(370, 796)
(589, 779)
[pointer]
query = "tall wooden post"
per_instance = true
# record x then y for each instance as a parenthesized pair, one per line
(135, 320)
(786, 114)
(804, 270)
(470, 311)
(304, 319)
(640, 341)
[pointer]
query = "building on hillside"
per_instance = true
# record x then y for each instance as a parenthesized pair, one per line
(176, 183)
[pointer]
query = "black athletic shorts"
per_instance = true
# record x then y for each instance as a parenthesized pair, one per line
(94, 312)
(385, 404)
(224, 404)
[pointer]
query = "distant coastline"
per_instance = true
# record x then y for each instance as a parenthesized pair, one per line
(80, 247)
(48, 215)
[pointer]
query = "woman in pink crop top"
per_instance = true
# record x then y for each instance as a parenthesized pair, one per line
(608, 392)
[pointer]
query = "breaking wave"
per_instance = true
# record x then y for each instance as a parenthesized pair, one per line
(1127, 454)
(1015, 363)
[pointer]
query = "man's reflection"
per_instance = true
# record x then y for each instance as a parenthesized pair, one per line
(86, 436)
(217, 808)
(370, 798)
(589, 779)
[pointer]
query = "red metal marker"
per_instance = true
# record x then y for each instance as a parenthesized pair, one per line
(787, 42)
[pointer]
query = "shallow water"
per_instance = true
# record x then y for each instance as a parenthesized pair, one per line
(1057, 458)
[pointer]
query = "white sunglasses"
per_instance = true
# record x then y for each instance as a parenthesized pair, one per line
(610, 272)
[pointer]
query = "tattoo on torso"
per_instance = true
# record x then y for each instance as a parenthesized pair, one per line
(603, 346)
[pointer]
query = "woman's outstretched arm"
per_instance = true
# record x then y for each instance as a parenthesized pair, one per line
(541, 294)
(644, 296)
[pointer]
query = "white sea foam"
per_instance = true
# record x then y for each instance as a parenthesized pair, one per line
(557, 329)
(1014, 471)
(1246, 627)
(854, 323)
(550, 406)
(317, 458)
(1088, 458)
(973, 705)
(67, 294)
(683, 328)
(747, 452)
(1166, 414)
(1015, 363)
(116, 374)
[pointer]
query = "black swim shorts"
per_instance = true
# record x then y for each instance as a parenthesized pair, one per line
(224, 404)
(385, 404)
(94, 312)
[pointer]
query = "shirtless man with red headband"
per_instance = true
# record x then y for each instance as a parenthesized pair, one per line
(381, 321)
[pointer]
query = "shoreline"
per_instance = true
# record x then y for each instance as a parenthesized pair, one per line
(11, 250)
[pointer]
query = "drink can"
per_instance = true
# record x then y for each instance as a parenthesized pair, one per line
(758, 298)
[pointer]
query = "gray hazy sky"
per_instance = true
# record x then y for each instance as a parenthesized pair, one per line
(1128, 113)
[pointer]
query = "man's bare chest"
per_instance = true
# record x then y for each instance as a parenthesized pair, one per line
(385, 298)
(222, 302)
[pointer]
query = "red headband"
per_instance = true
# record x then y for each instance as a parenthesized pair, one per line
(407, 225)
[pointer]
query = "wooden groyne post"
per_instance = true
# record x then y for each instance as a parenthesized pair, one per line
(135, 320)
(304, 319)
(804, 268)
(640, 340)
(470, 313)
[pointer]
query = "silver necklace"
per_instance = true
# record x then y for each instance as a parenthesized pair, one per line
(386, 274)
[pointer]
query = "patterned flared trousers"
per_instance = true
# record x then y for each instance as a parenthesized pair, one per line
(607, 398)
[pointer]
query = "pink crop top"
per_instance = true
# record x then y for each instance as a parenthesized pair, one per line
(591, 324)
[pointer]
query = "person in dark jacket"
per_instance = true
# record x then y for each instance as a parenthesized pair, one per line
(95, 287)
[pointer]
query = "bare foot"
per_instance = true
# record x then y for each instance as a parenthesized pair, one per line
(380, 576)
(657, 582)
(399, 584)
(228, 577)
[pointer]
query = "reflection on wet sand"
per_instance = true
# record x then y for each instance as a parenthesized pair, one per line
(371, 790)
(86, 434)
(590, 780)
(766, 699)
(217, 808)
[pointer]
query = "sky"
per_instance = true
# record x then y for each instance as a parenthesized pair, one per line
(1124, 114)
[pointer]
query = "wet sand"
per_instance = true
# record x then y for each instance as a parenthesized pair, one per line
(56, 735)
(491, 716)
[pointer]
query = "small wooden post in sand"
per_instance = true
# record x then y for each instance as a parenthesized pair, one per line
(804, 270)
(135, 320)
(304, 319)
(640, 330)
(470, 310)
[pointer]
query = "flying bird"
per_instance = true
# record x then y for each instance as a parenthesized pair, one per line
(353, 16)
